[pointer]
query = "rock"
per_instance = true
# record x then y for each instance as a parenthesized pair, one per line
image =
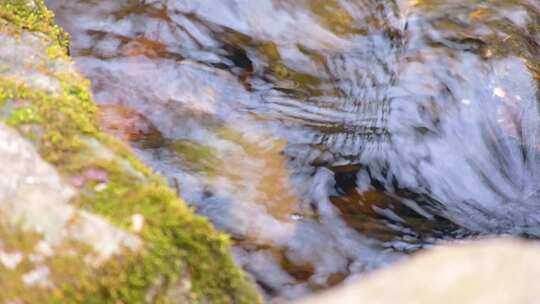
(482, 272)
(34, 197)
(81, 219)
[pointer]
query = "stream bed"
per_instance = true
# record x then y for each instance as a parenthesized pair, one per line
(327, 137)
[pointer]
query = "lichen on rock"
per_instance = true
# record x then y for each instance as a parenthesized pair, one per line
(81, 219)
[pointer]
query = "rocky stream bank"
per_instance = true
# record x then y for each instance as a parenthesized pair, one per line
(82, 220)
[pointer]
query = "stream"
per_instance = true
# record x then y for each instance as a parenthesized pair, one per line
(329, 138)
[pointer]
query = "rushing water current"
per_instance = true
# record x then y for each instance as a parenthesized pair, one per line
(328, 137)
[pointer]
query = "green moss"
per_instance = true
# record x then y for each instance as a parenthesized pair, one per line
(15, 241)
(33, 15)
(179, 246)
(60, 267)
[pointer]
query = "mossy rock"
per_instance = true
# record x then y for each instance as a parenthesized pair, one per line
(159, 251)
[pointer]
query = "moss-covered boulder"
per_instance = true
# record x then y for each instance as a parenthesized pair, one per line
(81, 219)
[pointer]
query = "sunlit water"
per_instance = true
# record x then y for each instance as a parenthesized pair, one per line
(328, 137)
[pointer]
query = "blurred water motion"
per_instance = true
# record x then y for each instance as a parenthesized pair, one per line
(328, 137)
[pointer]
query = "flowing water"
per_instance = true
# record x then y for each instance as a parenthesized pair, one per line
(328, 137)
